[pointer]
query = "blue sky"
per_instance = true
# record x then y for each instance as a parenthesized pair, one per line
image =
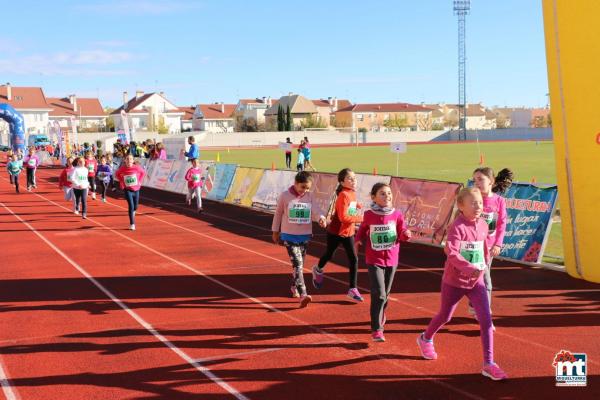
(221, 50)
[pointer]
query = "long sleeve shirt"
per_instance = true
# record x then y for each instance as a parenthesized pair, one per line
(104, 173)
(64, 178)
(79, 178)
(345, 215)
(130, 178)
(14, 167)
(193, 176)
(32, 162)
(193, 152)
(494, 213)
(293, 215)
(91, 164)
(466, 251)
(381, 235)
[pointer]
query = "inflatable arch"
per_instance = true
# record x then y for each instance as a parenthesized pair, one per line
(16, 125)
(573, 59)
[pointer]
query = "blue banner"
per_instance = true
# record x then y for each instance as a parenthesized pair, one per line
(224, 174)
(529, 219)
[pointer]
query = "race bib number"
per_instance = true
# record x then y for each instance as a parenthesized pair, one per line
(130, 180)
(31, 163)
(383, 237)
(91, 167)
(490, 218)
(14, 169)
(81, 178)
(196, 178)
(352, 210)
(473, 253)
(102, 174)
(299, 213)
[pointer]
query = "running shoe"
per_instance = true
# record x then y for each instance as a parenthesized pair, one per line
(317, 277)
(426, 347)
(377, 336)
(494, 372)
(132, 227)
(76, 212)
(354, 294)
(294, 291)
(305, 300)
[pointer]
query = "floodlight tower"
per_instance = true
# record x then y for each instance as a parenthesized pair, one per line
(461, 9)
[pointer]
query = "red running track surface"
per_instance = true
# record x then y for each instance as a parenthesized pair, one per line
(190, 307)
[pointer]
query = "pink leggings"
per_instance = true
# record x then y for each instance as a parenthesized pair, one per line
(478, 295)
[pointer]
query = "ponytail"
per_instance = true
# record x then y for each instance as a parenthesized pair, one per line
(503, 181)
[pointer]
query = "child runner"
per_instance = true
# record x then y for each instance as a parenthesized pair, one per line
(31, 161)
(466, 258)
(341, 230)
(381, 230)
(195, 181)
(301, 159)
(288, 154)
(292, 224)
(64, 182)
(92, 165)
(130, 176)
(494, 213)
(307, 155)
(14, 168)
(81, 184)
(104, 174)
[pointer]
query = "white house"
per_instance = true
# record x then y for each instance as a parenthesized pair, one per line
(146, 112)
(217, 117)
(187, 121)
(31, 103)
(253, 108)
(87, 111)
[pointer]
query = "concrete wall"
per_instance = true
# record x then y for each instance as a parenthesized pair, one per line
(500, 134)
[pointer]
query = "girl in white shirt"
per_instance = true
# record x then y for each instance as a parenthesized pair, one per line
(81, 184)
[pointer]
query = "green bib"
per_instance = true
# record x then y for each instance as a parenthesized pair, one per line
(473, 253)
(383, 237)
(299, 213)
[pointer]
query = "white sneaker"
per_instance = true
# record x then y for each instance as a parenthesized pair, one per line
(76, 212)
(132, 227)
(104, 200)
(93, 196)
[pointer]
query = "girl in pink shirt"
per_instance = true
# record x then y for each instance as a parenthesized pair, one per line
(467, 256)
(494, 213)
(130, 177)
(381, 230)
(195, 181)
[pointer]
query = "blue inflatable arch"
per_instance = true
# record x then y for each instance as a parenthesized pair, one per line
(16, 125)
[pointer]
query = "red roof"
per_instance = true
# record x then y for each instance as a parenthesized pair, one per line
(342, 103)
(86, 107)
(385, 107)
(24, 97)
(213, 111)
(188, 113)
(133, 103)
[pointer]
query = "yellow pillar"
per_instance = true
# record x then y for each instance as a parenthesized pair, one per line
(573, 57)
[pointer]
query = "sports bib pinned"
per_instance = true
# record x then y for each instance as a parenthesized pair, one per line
(490, 218)
(383, 237)
(130, 180)
(91, 167)
(473, 253)
(31, 162)
(352, 210)
(196, 177)
(299, 213)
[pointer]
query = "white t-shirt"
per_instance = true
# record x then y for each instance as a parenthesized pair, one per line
(79, 178)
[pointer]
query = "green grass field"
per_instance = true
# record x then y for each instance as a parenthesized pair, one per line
(447, 162)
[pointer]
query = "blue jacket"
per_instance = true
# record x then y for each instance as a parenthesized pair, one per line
(193, 153)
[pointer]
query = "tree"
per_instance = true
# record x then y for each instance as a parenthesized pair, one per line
(249, 125)
(162, 127)
(397, 122)
(289, 122)
(313, 121)
(280, 119)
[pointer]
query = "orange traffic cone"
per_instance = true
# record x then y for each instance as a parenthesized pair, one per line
(481, 159)
(374, 170)
(533, 180)
(272, 165)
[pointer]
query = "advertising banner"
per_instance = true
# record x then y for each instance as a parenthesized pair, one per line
(529, 220)
(223, 177)
(160, 174)
(427, 206)
(364, 184)
(271, 186)
(176, 182)
(244, 186)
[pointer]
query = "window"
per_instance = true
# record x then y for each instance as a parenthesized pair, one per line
(360, 117)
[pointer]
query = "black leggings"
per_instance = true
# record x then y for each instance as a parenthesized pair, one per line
(30, 177)
(81, 197)
(104, 187)
(92, 182)
(288, 160)
(15, 179)
(333, 241)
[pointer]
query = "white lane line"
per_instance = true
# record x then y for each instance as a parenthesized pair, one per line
(132, 313)
(330, 336)
(10, 392)
(233, 355)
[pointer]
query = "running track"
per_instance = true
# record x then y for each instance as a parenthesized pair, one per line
(198, 308)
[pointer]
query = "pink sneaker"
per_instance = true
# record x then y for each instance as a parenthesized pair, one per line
(494, 372)
(354, 294)
(378, 336)
(427, 349)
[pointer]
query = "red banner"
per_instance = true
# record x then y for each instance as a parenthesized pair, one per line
(427, 206)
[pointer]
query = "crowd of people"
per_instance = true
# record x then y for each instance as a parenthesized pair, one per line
(474, 237)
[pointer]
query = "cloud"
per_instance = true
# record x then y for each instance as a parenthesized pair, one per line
(139, 7)
(80, 63)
